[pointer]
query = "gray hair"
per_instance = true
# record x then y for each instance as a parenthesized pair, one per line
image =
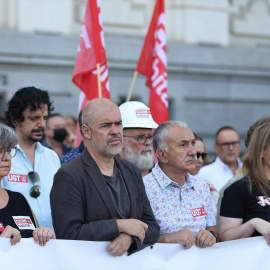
(161, 133)
(8, 137)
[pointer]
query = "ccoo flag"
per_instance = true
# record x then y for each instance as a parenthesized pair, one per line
(91, 55)
(153, 64)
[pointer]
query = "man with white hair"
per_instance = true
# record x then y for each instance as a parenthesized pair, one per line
(181, 203)
(137, 145)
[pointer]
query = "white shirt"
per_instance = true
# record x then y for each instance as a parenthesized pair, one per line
(46, 165)
(218, 173)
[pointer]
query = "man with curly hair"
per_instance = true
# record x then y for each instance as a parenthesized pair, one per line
(34, 165)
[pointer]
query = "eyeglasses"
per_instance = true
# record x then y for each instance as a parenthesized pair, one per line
(142, 138)
(203, 155)
(36, 189)
(226, 145)
(12, 152)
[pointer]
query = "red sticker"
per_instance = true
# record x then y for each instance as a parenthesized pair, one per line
(198, 212)
(24, 222)
(2, 227)
(20, 178)
(143, 111)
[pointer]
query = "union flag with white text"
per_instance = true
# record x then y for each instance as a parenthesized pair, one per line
(91, 51)
(153, 64)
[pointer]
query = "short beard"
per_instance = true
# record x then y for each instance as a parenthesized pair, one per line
(32, 139)
(143, 162)
(106, 149)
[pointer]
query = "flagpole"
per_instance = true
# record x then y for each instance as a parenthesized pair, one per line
(132, 86)
(98, 80)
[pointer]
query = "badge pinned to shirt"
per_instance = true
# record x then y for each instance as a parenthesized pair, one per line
(19, 178)
(2, 228)
(24, 222)
(198, 212)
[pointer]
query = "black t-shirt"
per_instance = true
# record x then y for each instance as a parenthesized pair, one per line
(238, 202)
(18, 215)
(119, 193)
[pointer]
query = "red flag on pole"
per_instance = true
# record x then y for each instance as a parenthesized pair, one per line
(153, 64)
(91, 59)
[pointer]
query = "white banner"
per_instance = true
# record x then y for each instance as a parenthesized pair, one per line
(250, 253)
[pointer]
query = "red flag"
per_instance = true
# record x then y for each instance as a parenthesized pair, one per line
(153, 64)
(91, 51)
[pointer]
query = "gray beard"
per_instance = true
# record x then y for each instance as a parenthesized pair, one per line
(106, 149)
(143, 162)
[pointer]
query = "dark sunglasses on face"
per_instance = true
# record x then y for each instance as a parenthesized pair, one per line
(203, 155)
(36, 189)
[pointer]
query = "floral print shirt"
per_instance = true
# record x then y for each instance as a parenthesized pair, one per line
(175, 207)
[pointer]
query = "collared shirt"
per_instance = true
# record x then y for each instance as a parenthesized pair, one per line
(175, 207)
(72, 154)
(46, 165)
(218, 173)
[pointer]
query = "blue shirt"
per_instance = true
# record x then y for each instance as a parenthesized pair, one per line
(46, 165)
(72, 154)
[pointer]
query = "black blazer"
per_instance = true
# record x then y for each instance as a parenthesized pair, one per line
(82, 206)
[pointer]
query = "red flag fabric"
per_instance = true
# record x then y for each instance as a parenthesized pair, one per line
(153, 64)
(91, 51)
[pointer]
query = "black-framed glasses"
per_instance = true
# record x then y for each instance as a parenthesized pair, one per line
(142, 138)
(203, 155)
(226, 145)
(36, 189)
(11, 151)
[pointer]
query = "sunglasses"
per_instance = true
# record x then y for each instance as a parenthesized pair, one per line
(203, 155)
(36, 189)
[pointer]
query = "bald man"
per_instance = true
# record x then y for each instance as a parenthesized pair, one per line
(98, 197)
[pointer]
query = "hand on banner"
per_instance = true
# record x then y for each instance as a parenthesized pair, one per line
(263, 227)
(185, 237)
(132, 227)
(120, 245)
(12, 233)
(205, 239)
(42, 235)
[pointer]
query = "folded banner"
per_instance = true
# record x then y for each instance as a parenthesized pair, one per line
(249, 253)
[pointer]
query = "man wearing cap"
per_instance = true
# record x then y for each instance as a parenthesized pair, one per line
(137, 144)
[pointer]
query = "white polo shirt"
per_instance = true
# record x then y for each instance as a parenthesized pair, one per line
(46, 165)
(218, 173)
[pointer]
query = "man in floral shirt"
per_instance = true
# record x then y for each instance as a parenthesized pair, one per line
(181, 203)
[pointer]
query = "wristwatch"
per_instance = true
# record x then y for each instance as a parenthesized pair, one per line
(214, 235)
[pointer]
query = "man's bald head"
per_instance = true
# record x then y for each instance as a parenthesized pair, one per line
(94, 107)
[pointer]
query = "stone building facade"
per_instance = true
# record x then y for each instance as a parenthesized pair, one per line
(218, 55)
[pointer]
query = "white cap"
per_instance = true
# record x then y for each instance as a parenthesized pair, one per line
(136, 115)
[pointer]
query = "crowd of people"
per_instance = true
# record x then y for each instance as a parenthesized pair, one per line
(109, 188)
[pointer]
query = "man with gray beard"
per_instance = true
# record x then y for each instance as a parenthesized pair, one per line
(137, 145)
(98, 197)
